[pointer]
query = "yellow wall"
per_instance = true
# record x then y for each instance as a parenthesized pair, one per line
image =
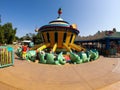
(68, 38)
(60, 39)
(60, 43)
(45, 37)
(52, 38)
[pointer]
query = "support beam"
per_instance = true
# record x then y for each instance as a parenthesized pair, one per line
(68, 48)
(43, 47)
(76, 47)
(54, 47)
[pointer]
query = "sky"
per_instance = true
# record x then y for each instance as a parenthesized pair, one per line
(90, 16)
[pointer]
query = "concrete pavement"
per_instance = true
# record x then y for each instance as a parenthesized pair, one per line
(102, 74)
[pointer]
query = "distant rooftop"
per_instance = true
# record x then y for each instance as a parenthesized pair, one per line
(100, 35)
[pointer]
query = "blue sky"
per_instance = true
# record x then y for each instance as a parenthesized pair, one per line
(89, 15)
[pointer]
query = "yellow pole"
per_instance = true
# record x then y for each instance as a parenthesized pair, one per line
(7, 56)
(68, 48)
(54, 47)
(43, 47)
(3, 56)
(73, 38)
(77, 48)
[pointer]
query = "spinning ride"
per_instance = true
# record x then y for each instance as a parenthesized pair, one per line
(59, 34)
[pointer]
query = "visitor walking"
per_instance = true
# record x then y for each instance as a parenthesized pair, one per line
(24, 51)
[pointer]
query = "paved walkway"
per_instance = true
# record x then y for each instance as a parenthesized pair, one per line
(102, 74)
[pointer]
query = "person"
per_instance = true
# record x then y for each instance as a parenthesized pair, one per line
(24, 51)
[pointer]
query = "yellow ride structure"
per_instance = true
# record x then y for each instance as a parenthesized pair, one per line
(59, 34)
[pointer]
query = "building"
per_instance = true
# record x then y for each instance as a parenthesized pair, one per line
(107, 42)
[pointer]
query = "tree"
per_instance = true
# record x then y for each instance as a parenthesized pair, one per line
(1, 35)
(114, 30)
(36, 38)
(7, 33)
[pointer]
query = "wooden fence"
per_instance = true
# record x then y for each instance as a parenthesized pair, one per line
(6, 56)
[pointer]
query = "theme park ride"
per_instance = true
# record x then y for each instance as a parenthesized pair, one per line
(58, 45)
